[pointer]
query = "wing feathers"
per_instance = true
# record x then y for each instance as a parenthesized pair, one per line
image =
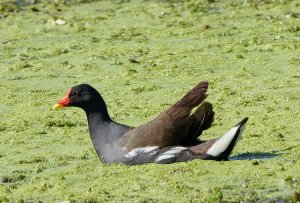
(171, 126)
(200, 120)
(194, 97)
(181, 110)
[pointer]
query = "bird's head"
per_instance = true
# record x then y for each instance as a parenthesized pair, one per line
(80, 96)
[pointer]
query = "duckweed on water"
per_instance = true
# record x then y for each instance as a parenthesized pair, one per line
(143, 56)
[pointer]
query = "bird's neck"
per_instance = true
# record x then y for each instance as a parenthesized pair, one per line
(98, 123)
(98, 118)
(97, 111)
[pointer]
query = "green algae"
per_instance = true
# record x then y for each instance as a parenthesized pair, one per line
(143, 56)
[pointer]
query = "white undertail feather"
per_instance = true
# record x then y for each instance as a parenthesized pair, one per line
(222, 144)
(171, 153)
(150, 151)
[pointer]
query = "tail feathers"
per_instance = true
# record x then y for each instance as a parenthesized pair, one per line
(200, 120)
(222, 148)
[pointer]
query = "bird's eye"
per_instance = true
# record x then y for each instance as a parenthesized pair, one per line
(77, 93)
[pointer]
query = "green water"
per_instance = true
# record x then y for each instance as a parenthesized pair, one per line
(143, 56)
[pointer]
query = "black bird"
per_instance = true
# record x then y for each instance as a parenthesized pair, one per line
(170, 137)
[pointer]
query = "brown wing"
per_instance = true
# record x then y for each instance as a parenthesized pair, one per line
(171, 126)
(200, 120)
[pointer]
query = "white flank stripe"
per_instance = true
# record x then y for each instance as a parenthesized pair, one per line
(130, 155)
(150, 151)
(171, 151)
(174, 150)
(179, 148)
(133, 152)
(164, 157)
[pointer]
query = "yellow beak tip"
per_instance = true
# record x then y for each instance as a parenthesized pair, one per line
(57, 106)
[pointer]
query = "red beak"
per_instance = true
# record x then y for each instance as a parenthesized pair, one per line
(63, 102)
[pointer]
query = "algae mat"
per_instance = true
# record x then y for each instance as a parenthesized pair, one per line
(143, 56)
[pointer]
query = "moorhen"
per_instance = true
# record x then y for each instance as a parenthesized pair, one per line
(170, 137)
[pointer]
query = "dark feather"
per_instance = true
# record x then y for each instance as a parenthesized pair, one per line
(200, 120)
(171, 126)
